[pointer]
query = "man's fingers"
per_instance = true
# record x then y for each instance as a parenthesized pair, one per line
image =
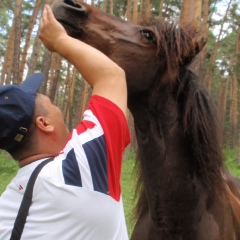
(49, 12)
(44, 13)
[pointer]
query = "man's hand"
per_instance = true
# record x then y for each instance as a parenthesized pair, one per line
(51, 31)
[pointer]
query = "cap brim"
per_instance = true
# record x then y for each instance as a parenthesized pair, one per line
(32, 83)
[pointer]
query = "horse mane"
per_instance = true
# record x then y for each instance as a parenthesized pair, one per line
(202, 129)
(196, 109)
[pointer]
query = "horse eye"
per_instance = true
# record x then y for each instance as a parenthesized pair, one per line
(149, 35)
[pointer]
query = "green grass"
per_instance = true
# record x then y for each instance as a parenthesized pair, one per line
(128, 181)
(231, 160)
(8, 169)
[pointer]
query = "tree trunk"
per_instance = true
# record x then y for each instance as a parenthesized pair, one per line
(198, 13)
(36, 49)
(196, 19)
(105, 5)
(28, 37)
(71, 95)
(191, 12)
(46, 64)
(235, 93)
(224, 105)
(148, 10)
(145, 9)
(222, 101)
(160, 16)
(129, 10)
(56, 78)
(205, 18)
(66, 104)
(142, 6)
(184, 17)
(17, 41)
(201, 57)
(79, 101)
(220, 98)
(8, 58)
(34, 57)
(210, 71)
(84, 98)
(111, 7)
(135, 11)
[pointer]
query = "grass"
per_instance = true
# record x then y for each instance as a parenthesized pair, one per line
(128, 181)
(231, 160)
(8, 169)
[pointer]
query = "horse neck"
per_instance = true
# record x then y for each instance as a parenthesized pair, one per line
(164, 157)
(177, 128)
(160, 139)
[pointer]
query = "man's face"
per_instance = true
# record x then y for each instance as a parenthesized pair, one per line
(55, 117)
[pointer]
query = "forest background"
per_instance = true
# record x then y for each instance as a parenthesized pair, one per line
(218, 65)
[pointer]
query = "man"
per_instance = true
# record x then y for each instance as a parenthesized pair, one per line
(76, 196)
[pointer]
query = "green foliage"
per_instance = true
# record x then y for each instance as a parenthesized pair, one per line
(171, 9)
(5, 15)
(128, 182)
(231, 160)
(227, 48)
(8, 169)
(27, 11)
(119, 8)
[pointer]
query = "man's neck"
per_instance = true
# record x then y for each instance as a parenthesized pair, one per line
(27, 160)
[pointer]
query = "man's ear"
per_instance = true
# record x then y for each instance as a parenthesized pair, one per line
(43, 124)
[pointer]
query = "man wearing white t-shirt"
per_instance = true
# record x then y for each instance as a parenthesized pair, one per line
(77, 195)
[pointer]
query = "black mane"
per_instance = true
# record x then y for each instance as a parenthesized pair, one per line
(202, 128)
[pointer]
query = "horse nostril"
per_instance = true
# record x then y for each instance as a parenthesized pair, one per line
(72, 3)
(78, 5)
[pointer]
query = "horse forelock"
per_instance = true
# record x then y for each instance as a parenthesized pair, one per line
(176, 45)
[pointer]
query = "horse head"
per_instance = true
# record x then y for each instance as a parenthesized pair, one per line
(145, 51)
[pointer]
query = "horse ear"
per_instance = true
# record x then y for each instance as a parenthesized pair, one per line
(200, 44)
(192, 44)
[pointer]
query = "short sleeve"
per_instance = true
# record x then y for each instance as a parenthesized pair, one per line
(117, 137)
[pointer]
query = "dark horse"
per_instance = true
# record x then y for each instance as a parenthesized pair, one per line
(185, 192)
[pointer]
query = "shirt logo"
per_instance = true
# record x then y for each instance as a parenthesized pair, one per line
(20, 188)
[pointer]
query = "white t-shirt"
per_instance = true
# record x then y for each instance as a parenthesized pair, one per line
(78, 195)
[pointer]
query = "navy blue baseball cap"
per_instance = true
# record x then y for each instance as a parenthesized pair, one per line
(16, 110)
